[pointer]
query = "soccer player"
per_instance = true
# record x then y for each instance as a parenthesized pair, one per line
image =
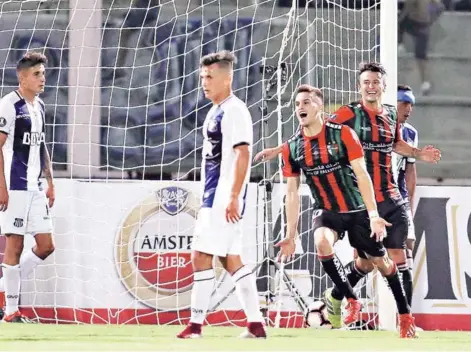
(225, 173)
(378, 129)
(405, 170)
(332, 160)
(23, 159)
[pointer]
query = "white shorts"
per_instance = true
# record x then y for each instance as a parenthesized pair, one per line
(27, 213)
(411, 228)
(214, 235)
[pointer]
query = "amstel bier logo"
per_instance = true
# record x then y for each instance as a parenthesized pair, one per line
(153, 248)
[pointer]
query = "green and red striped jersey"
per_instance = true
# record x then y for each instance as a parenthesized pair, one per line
(325, 161)
(377, 132)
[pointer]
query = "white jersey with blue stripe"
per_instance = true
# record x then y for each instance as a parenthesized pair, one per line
(23, 151)
(227, 125)
(411, 137)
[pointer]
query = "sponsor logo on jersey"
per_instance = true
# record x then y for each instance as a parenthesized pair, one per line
(34, 138)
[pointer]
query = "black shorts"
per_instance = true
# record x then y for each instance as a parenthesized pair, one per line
(356, 224)
(421, 34)
(396, 214)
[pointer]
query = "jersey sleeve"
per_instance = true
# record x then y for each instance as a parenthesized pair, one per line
(342, 115)
(352, 143)
(289, 166)
(238, 128)
(415, 144)
(7, 116)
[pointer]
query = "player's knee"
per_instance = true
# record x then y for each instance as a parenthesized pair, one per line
(384, 264)
(410, 244)
(398, 256)
(201, 261)
(364, 265)
(324, 244)
(44, 245)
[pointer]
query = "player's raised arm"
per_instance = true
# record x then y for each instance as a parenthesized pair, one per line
(429, 153)
(365, 186)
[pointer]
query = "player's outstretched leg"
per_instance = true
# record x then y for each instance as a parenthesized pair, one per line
(246, 290)
(324, 239)
(389, 270)
(203, 285)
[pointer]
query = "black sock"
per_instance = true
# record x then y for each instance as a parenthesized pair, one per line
(398, 291)
(334, 268)
(406, 273)
(354, 275)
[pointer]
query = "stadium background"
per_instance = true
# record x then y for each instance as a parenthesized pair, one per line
(128, 126)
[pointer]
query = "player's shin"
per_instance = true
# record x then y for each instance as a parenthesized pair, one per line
(28, 262)
(246, 289)
(11, 273)
(203, 285)
(406, 273)
(334, 268)
(391, 273)
(354, 275)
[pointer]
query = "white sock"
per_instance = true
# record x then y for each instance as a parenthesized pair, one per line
(203, 285)
(12, 287)
(410, 263)
(246, 289)
(28, 262)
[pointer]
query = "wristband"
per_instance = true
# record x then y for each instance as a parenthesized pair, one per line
(373, 214)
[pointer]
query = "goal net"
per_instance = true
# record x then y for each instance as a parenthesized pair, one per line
(124, 110)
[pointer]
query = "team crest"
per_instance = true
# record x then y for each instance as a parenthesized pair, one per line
(333, 148)
(212, 125)
(172, 200)
(3, 122)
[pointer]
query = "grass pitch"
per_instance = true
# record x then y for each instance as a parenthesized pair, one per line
(18, 337)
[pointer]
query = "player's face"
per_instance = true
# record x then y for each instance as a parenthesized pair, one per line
(33, 79)
(308, 107)
(214, 80)
(371, 86)
(404, 109)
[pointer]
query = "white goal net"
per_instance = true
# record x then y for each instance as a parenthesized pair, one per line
(124, 110)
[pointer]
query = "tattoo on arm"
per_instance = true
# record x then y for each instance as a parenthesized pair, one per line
(47, 169)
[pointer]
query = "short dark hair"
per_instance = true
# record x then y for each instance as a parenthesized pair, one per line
(372, 67)
(404, 87)
(30, 59)
(306, 88)
(224, 58)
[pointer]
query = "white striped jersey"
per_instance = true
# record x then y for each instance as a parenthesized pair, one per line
(24, 149)
(226, 126)
(411, 137)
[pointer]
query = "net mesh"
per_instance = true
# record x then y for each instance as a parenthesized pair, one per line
(124, 106)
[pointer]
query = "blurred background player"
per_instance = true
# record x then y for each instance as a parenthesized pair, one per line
(332, 160)
(23, 158)
(225, 172)
(405, 170)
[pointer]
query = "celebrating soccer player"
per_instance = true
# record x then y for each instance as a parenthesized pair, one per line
(23, 157)
(331, 158)
(378, 129)
(227, 150)
(406, 173)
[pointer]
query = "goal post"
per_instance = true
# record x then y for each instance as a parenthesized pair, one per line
(123, 98)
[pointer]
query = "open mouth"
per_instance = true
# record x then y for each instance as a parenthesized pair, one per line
(303, 114)
(371, 92)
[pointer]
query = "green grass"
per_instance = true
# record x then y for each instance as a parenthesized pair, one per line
(17, 337)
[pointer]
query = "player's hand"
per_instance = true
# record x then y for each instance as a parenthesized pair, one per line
(51, 195)
(3, 199)
(287, 248)
(430, 154)
(232, 210)
(378, 228)
(267, 154)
